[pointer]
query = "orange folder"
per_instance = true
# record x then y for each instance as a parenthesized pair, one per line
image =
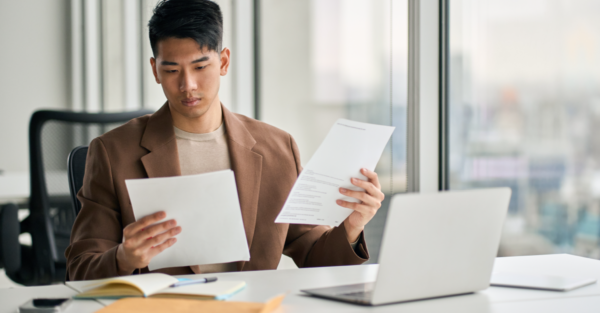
(152, 305)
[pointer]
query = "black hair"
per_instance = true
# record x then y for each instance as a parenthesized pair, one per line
(200, 20)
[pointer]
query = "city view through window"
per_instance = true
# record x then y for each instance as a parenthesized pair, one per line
(524, 113)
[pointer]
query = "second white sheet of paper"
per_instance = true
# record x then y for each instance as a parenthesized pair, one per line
(207, 208)
(348, 147)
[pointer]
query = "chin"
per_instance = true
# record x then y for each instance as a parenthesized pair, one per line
(193, 112)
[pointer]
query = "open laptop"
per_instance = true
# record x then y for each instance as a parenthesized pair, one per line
(434, 245)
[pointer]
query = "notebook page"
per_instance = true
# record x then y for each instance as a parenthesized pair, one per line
(147, 283)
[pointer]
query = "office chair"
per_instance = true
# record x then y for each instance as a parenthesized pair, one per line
(10, 250)
(75, 171)
(52, 135)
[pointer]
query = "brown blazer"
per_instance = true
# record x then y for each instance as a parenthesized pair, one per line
(266, 163)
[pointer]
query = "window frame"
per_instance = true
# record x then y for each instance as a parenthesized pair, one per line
(427, 118)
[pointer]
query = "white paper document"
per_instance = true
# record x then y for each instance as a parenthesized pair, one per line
(348, 147)
(206, 207)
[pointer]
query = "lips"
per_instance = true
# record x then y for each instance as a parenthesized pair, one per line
(190, 102)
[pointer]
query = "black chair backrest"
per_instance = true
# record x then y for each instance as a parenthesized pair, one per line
(75, 171)
(52, 135)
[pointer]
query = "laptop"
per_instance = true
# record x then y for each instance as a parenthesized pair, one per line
(434, 245)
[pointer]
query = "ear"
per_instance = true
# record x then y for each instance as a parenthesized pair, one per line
(225, 61)
(154, 70)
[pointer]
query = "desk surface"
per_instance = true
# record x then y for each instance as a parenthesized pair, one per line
(15, 187)
(266, 284)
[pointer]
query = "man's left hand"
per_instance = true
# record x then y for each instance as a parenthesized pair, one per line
(370, 202)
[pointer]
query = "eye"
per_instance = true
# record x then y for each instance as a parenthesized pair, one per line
(200, 67)
(170, 71)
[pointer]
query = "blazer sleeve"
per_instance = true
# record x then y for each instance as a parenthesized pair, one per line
(313, 245)
(92, 253)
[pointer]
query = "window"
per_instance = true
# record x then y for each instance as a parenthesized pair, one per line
(524, 110)
(321, 60)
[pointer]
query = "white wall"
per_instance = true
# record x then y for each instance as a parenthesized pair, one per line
(34, 71)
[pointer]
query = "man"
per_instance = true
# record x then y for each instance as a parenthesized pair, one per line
(193, 133)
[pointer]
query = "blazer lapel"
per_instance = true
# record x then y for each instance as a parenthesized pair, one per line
(247, 167)
(159, 139)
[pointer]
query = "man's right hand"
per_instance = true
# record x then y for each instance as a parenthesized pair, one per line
(142, 241)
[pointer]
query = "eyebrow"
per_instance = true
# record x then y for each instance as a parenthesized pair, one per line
(202, 59)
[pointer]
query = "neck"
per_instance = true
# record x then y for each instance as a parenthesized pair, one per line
(207, 122)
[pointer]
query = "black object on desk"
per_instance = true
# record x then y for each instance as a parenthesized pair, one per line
(49, 305)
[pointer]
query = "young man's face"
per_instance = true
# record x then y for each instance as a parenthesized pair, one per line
(190, 76)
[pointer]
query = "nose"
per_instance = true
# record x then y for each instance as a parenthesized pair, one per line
(187, 82)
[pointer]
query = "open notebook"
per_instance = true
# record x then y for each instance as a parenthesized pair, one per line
(155, 285)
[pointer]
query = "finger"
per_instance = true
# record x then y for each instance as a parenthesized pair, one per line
(360, 195)
(372, 176)
(145, 221)
(369, 187)
(364, 210)
(158, 239)
(161, 247)
(153, 230)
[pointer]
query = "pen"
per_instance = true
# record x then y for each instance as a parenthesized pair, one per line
(194, 281)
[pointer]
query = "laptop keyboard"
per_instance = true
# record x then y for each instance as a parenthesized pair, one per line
(358, 294)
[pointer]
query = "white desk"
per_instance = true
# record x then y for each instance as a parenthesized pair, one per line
(14, 187)
(266, 284)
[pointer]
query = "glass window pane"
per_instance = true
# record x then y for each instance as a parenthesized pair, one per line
(321, 60)
(524, 102)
